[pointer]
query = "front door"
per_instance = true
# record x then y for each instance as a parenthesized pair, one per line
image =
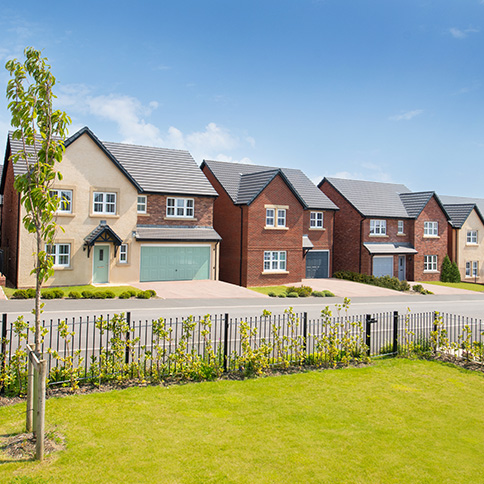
(100, 268)
(401, 267)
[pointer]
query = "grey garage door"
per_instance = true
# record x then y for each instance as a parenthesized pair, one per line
(317, 264)
(383, 266)
(179, 263)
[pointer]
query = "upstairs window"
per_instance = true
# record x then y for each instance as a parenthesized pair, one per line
(104, 203)
(378, 227)
(60, 253)
(65, 200)
(472, 236)
(275, 217)
(141, 204)
(431, 229)
(316, 220)
(180, 207)
(401, 227)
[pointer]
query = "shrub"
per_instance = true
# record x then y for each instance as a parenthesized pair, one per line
(272, 294)
(20, 294)
(87, 294)
(384, 281)
(74, 295)
(318, 294)
(303, 291)
(100, 295)
(49, 294)
(420, 289)
(30, 292)
(446, 270)
(132, 293)
(58, 293)
(143, 295)
(125, 295)
(292, 294)
(110, 295)
(282, 295)
(405, 286)
(152, 292)
(328, 293)
(455, 273)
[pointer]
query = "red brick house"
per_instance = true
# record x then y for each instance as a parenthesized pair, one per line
(385, 229)
(276, 226)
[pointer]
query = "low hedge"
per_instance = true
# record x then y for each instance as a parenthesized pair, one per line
(384, 281)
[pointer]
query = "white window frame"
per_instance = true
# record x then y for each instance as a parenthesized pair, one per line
(430, 263)
(123, 254)
(401, 227)
(102, 205)
(281, 217)
(471, 237)
(431, 229)
(378, 227)
(275, 261)
(180, 207)
(276, 217)
(60, 258)
(141, 204)
(60, 193)
(316, 220)
(270, 217)
(468, 269)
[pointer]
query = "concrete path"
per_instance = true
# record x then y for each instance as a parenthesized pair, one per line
(198, 289)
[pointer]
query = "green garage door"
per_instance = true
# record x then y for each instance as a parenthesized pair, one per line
(183, 263)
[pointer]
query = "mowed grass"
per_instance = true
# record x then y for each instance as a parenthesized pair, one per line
(67, 289)
(397, 421)
(461, 285)
(267, 289)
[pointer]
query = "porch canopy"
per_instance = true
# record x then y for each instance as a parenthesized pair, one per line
(377, 248)
(102, 233)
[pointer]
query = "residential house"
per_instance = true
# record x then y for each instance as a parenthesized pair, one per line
(385, 229)
(466, 236)
(276, 226)
(129, 213)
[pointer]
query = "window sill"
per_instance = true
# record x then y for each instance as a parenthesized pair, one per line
(317, 228)
(401, 235)
(268, 273)
(180, 218)
(382, 236)
(472, 245)
(431, 236)
(268, 227)
(142, 214)
(64, 214)
(63, 268)
(431, 272)
(103, 215)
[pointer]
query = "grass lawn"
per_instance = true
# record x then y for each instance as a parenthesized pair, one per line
(461, 285)
(267, 289)
(397, 421)
(116, 289)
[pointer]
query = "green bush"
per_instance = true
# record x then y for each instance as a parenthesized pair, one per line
(20, 294)
(272, 294)
(48, 294)
(143, 295)
(152, 292)
(455, 273)
(125, 295)
(384, 281)
(30, 293)
(110, 295)
(303, 291)
(87, 294)
(100, 295)
(420, 289)
(74, 295)
(282, 295)
(292, 294)
(58, 293)
(328, 293)
(318, 294)
(446, 270)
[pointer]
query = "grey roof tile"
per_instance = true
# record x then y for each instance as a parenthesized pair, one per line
(415, 202)
(458, 213)
(451, 200)
(372, 199)
(243, 182)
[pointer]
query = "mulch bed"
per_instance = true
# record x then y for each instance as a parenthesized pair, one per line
(22, 446)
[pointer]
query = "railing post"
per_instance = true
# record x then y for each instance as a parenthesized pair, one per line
(395, 332)
(4, 348)
(369, 322)
(128, 336)
(226, 342)
(305, 333)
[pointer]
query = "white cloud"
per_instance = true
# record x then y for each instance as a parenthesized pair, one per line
(406, 116)
(462, 34)
(130, 115)
(229, 159)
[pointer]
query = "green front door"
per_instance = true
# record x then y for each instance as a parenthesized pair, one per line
(100, 268)
(174, 263)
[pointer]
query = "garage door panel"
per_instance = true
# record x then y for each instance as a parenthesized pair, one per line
(317, 264)
(383, 266)
(174, 263)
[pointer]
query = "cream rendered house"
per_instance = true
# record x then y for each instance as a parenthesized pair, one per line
(129, 213)
(466, 240)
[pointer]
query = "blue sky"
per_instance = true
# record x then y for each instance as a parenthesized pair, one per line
(384, 90)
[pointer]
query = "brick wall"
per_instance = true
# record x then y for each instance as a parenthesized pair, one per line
(226, 221)
(10, 226)
(321, 239)
(430, 245)
(346, 237)
(156, 212)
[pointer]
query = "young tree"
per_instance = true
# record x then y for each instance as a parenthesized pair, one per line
(41, 130)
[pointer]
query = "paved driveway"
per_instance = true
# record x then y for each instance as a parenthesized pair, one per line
(198, 289)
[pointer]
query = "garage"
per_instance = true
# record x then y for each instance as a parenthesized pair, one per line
(174, 263)
(317, 264)
(383, 266)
